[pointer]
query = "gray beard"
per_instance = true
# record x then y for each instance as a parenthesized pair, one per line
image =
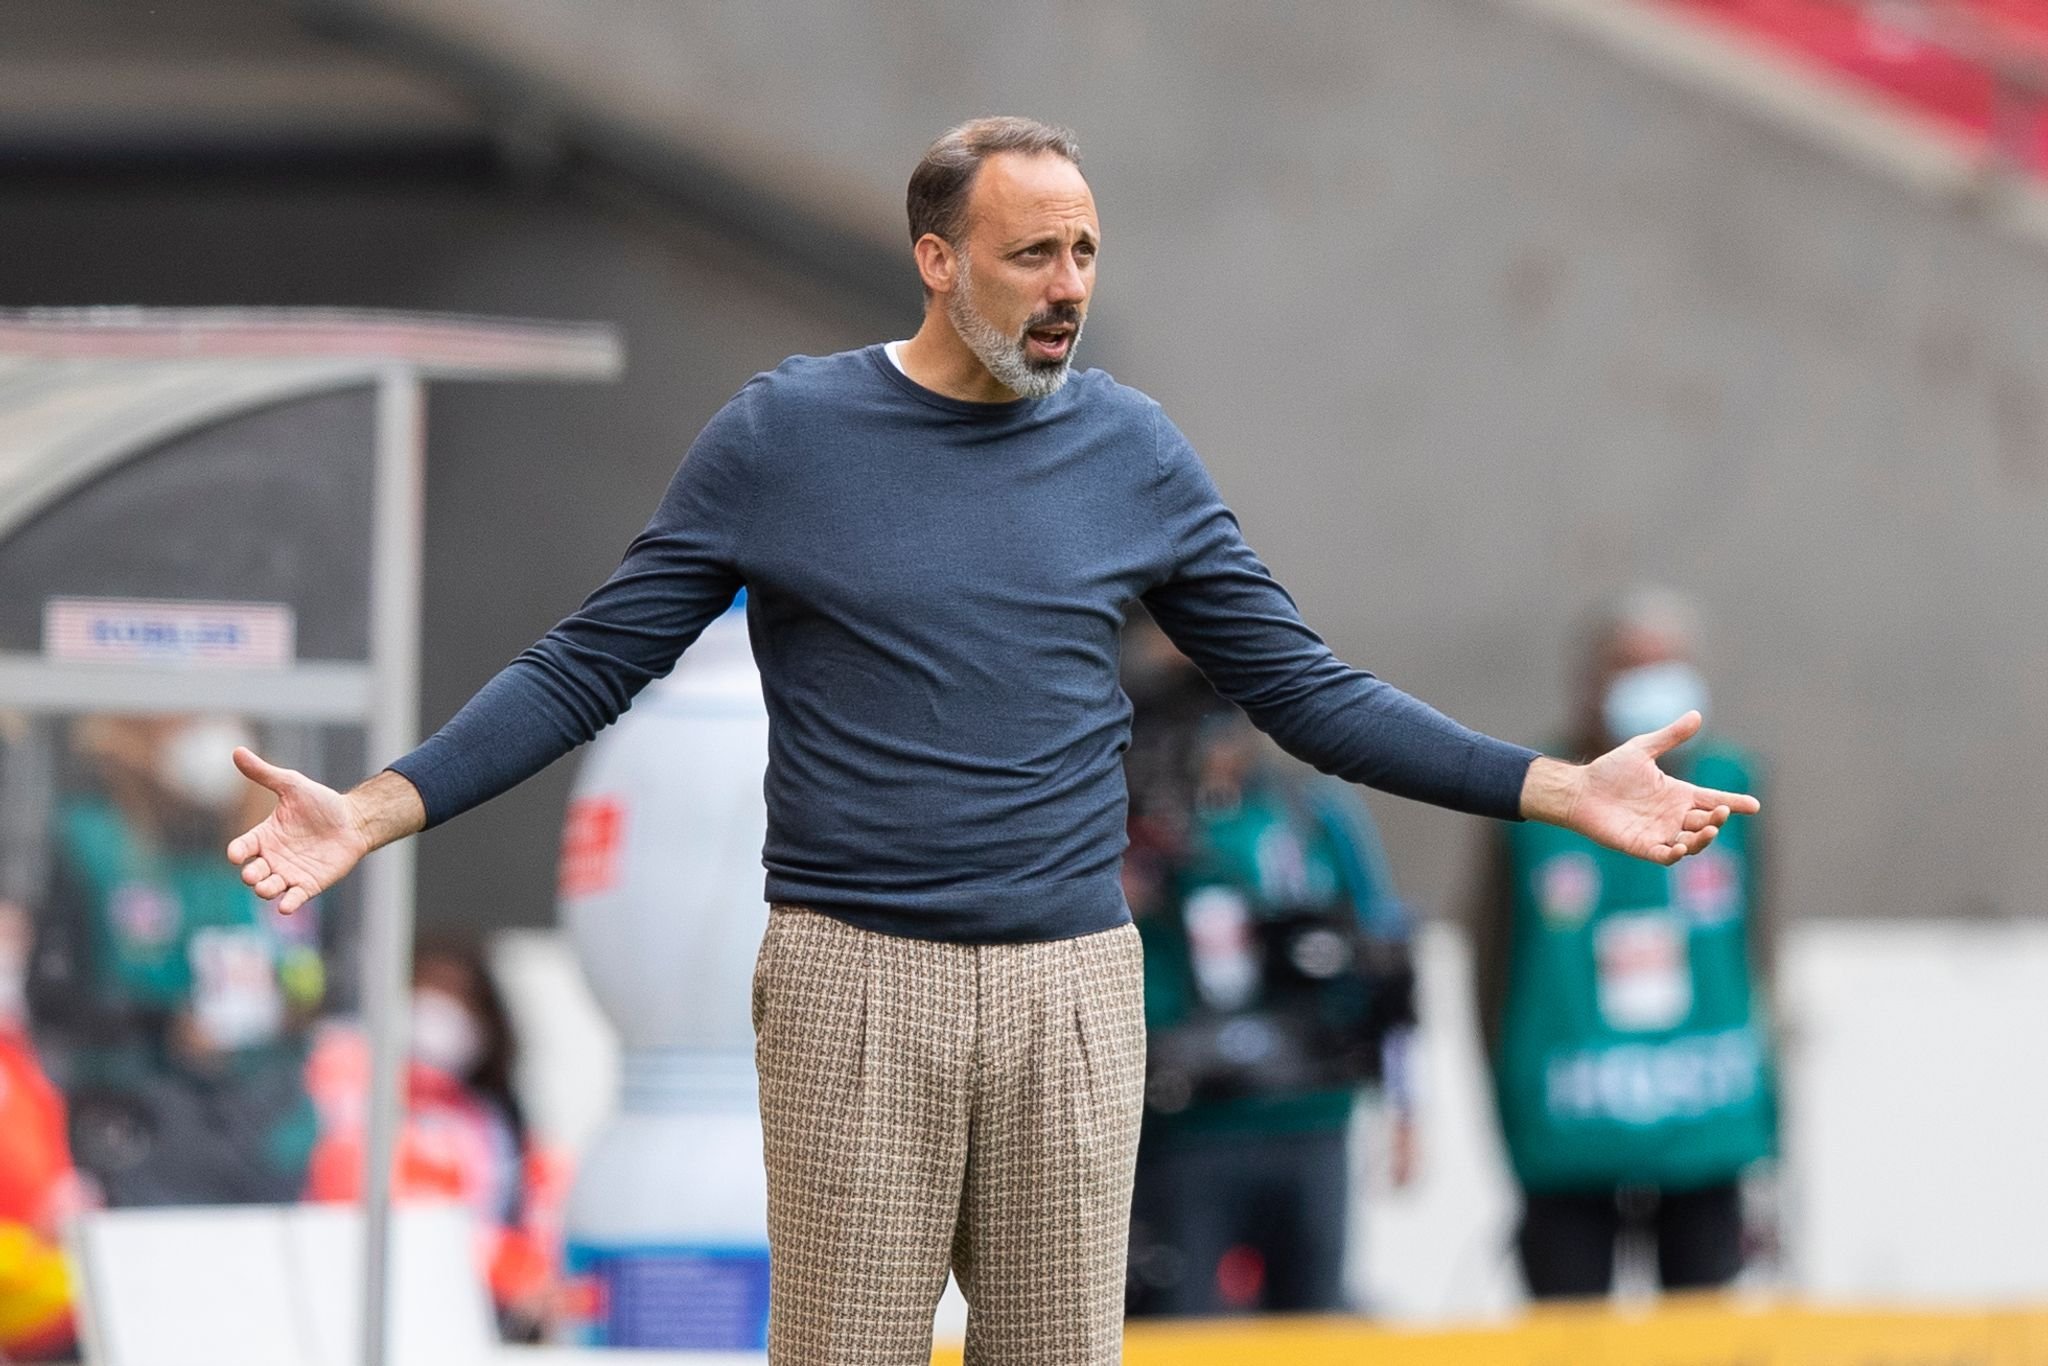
(1002, 354)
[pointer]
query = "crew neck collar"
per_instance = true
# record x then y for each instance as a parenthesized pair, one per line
(878, 357)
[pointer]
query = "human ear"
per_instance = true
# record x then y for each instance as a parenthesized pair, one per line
(937, 263)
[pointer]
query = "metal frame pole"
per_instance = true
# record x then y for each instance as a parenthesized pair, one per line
(395, 572)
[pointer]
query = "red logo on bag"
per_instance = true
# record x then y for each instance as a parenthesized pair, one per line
(1709, 885)
(1567, 885)
(590, 846)
(582, 1301)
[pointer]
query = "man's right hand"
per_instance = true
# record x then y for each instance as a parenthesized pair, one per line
(316, 835)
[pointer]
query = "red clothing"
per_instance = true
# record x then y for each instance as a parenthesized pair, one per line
(456, 1146)
(36, 1183)
(35, 1154)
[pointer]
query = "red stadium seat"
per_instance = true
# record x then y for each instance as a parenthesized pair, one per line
(1972, 66)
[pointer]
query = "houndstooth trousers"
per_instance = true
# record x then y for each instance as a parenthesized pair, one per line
(928, 1105)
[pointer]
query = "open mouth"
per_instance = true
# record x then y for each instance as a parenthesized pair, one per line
(1049, 343)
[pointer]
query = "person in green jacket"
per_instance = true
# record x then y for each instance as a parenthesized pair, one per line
(1242, 1194)
(1623, 1001)
(171, 1001)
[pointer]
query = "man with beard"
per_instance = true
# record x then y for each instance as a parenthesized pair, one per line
(939, 540)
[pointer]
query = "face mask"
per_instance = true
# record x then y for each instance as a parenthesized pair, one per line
(1650, 697)
(445, 1036)
(13, 994)
(198, 762)
(14, 945)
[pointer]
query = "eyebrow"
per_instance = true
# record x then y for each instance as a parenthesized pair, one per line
(1021, 243)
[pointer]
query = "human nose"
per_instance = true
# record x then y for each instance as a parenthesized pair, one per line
(1070, 283)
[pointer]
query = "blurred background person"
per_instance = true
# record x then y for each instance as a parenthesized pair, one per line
(1623, 1003)
(1276, 986)
(465, 1138)
(39, 1188)
(171, 1003)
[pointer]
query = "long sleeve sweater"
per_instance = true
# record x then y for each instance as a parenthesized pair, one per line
(935, 591)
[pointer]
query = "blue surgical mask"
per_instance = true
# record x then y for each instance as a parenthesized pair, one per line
(1650, 697)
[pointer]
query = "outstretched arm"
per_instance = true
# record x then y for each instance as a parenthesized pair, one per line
(678, 575)
(1224, 610)
(316, 835)
(1222, 607)
(1624, 801)
(675, 579)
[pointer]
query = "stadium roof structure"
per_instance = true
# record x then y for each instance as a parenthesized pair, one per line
(82, 390)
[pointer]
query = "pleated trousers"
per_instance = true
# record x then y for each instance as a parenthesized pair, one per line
(929, 1105)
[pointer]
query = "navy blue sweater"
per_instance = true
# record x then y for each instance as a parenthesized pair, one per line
(935, 590)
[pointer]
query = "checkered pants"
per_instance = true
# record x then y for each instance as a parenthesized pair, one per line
(927, 1105)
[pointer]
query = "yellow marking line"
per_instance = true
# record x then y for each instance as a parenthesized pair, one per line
(1682, 1332)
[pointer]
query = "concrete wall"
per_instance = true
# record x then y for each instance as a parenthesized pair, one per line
(1476, 322)
(532, 490)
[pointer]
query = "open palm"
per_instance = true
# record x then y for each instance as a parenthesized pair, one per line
(1630, 804)
(302, 848)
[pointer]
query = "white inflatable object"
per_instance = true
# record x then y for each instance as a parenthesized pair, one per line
(662, 865)
(661, 895)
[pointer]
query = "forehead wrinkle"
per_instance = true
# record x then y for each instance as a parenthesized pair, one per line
(1075, 219)
(1079, 232)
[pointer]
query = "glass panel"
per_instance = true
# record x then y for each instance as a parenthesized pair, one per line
(166, 1038)
(198, 519)
(172, 1010)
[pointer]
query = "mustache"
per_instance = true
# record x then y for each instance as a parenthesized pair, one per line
(1058, 315)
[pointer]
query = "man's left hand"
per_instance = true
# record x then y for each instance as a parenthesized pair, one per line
(1624, 801)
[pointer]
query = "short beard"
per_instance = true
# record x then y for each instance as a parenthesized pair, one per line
(1005, 356)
